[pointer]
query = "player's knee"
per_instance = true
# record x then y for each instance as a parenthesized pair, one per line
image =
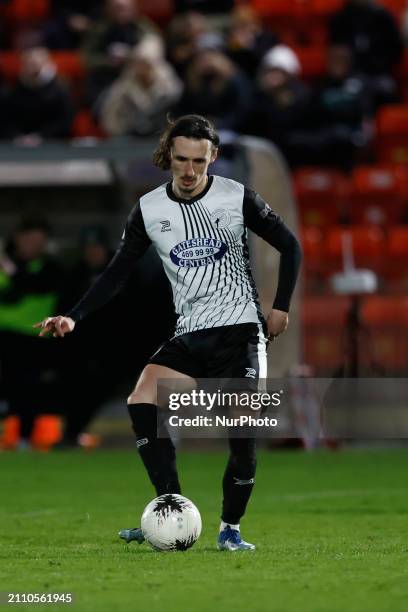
(136, 397)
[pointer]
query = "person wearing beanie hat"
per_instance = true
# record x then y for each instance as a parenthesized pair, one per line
(282, 99)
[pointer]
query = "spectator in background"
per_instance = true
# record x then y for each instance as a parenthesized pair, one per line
(108, 43)
(281, 101)
(216, 88)
(70, 21)
(30, 283)
(340, 109)
(248, 40)
(138, 102)
(371, 33)
(39, 104)
(183, 37)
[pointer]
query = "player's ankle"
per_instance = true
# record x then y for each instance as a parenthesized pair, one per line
(230, 525)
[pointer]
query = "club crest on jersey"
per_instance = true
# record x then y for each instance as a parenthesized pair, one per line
(198, 252)
(220, 218)
(165, 226)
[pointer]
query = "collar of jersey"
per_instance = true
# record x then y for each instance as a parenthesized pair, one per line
(199, 196)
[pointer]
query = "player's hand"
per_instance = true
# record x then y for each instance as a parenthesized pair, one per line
(277, 323)
(58, 326)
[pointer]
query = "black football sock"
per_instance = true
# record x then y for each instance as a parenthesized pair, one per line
(158, 454)
(239, 478)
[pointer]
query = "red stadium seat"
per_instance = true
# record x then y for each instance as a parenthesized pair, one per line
(159, 11)
(69, 64)
(397, 257)
(10, 64)
(312, 246)
(368, 245)
(84, 126)
(379, 194)
(322, 195)
(323, 320)
(312, 60)
(392, 133)
(395, 7)
(279, 8)
(325, 8)
(28, 10)
(386, 317)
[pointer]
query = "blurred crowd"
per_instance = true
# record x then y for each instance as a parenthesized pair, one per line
(215, 58)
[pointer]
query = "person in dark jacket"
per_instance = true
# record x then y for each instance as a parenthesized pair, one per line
(281, 101)
(109, 43)
(39, 104)
(69, 23)
(371, 33)
(216, 88)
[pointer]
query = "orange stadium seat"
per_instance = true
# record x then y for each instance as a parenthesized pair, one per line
(323, 320)
(322, 195)
(386, 317)
(379, 194)
(392, 133)
(368, 244)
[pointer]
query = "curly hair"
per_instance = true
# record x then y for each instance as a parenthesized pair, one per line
(190, 126)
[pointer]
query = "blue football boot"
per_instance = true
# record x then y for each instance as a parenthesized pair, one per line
(130, 535)
(230, 539)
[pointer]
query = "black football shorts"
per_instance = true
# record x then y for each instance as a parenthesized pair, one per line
(231, 351)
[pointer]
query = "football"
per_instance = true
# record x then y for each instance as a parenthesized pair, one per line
(171, 522)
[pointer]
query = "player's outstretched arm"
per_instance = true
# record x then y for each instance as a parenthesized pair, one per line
(133, 245)
(58, 326)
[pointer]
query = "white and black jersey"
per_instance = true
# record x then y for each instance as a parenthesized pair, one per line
(202, 243)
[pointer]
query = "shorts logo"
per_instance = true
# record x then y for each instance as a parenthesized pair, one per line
(198, 252)
(220, 218)
(251, 373)
(165, 226)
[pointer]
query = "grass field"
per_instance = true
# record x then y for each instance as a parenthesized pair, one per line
(331, 531)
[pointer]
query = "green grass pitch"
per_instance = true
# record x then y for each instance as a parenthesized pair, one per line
(331, 531)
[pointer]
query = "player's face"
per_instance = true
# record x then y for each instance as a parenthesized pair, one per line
(189, 164)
